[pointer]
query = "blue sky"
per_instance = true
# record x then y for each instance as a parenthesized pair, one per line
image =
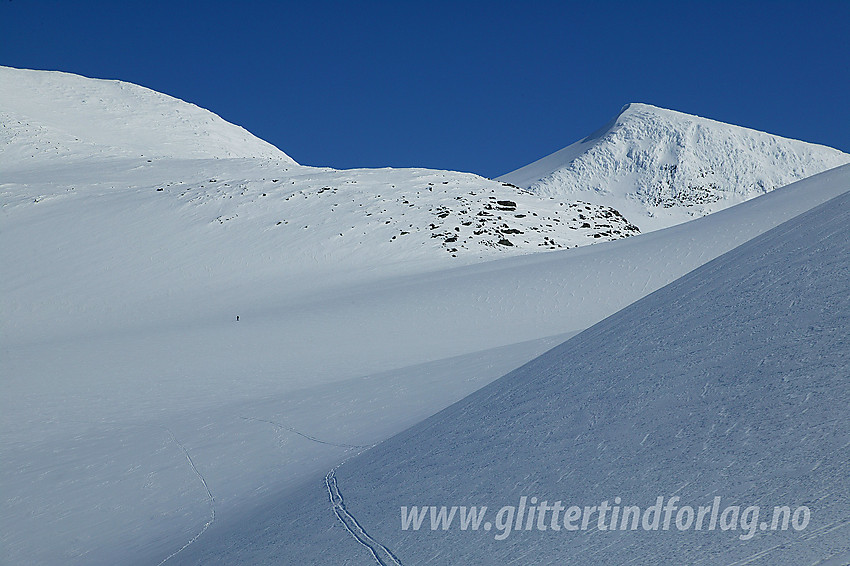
(473, 86)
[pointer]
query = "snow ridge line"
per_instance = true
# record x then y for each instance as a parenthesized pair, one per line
(382, 555)
(209, 494)
(307, 436)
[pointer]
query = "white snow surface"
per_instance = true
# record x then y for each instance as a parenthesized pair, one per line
(122, 356)
(139, 419)
(660, 167)
(50, 115)
(730, 382)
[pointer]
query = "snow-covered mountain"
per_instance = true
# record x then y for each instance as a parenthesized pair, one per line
(62, 116)
(660, 167)
(65, 122)
(726, 389)
(128, 358)
(140, 421)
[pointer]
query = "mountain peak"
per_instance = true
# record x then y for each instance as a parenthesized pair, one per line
(632, 110)
(632, 107)
(661, 167)
(56, 115)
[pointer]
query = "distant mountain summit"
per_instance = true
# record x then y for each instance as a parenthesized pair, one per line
(141, 423)
(647, 169)
(51, 121)
(54, 115)
(660, 167)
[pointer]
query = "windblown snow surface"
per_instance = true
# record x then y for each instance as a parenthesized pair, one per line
(730, 382)
(141, 422)
(61, 116)
(661, 167)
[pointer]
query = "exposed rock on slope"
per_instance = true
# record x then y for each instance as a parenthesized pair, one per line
(660, 167)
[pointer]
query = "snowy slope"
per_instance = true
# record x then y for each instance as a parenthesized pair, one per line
(61, 127)
(48, 115)
(198, 226)
(660, 167)
(137, 415)
(730, 382)
(96, 404)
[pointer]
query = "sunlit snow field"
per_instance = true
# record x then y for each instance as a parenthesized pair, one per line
(141, 422)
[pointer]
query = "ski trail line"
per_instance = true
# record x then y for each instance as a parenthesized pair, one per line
(209, 495)
(382, 555)
(191, 465)
(307, 436)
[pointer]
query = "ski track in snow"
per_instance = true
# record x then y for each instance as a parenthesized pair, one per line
(191, 465)
(456, 206)
(382, 555)
(209, 495)
(307, 436)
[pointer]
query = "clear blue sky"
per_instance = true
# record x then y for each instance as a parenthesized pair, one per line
(473, 86)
